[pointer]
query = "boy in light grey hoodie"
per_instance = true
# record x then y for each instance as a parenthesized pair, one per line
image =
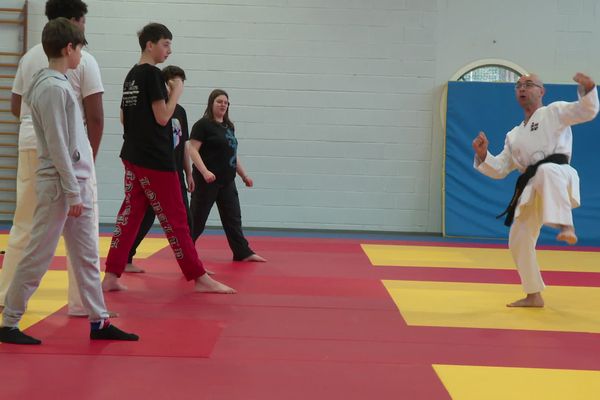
(64, 191)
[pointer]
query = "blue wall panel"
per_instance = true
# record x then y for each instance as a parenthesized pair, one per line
(472, 200)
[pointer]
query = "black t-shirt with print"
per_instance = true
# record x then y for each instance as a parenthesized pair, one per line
(179, 127)
(146, 143)
(218, 150)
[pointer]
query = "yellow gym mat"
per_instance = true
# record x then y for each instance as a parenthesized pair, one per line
(477, 258)
(482, 305)
(465, 382)
(149, 246)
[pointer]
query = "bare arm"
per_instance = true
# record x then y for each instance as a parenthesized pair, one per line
(94, 118)
(15, 104)
(187, 167)
(163, 110)
(242, 173)
(194, 151)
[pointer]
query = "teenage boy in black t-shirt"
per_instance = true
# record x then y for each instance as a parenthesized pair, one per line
(148, 158)
(183, 166)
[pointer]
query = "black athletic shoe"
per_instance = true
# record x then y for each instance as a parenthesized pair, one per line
(15, 336)
(111, 332)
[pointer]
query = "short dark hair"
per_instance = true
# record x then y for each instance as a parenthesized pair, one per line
(57, 35)
(153, 32)
(65, 8)
(173, 71)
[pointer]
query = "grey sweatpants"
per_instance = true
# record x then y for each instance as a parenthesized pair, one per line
(50, 220)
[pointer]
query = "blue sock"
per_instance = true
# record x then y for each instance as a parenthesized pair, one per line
(96, 326)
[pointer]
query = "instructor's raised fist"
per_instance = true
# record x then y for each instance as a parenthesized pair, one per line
(480, 145)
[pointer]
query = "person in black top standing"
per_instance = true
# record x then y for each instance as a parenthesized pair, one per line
(213, 149)
(150, 173)
(179, 126)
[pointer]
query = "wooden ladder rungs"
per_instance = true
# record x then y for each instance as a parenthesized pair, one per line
(12, 21)
(16, 17)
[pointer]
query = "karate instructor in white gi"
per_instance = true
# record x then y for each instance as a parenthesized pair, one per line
(548, 188)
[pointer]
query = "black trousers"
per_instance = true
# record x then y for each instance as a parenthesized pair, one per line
(149, 217)
(228, 203)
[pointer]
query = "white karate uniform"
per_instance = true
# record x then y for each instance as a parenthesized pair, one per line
(553, 192)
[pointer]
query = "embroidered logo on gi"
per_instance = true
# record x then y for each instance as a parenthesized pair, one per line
(534, 126)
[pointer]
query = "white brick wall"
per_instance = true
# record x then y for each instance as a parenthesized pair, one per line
(336, 102)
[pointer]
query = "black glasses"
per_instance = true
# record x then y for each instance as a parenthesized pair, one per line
(526, 84)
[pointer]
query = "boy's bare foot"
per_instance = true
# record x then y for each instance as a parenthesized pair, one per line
(130, 267)
(206, 284)
(255, 258)
(111, 283)
(531, 300)
(567, 234)
(209, 272)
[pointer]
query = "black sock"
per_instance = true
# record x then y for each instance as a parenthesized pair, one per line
(14, 335)
(111, 332)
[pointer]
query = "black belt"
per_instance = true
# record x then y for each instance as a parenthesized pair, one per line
(522, 182)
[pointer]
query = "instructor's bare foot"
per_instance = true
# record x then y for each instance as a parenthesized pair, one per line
(567, 234)
(255, 258)
(130, 267)
(206, 284)
(111, 283)
(532, 300)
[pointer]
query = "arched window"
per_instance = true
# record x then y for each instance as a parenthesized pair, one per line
(486, 70)
(491, 73)
(490, 70)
